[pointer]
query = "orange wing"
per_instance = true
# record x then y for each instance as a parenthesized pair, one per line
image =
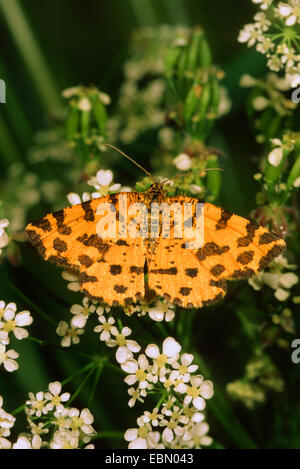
(234, 248)
(111, 270)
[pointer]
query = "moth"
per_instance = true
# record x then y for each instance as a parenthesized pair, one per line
(117, 270)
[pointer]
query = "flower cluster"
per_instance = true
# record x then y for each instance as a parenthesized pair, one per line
(141, 108)
(181, 430)
(7, 421)
(52, 424)
(12, 323)
(261, 376)
(170, 375)
(274, 33)
(270, 104)
(196, 159)
(91, 103)
(279, 276)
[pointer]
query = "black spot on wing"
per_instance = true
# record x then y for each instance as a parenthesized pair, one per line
(191, 272)
(115, 269)
(217, 270)
(222, 222)
(88, 211)
(245, 257)
(85, 278)
(244, 241)
(267, 238)
(185, 291)
(59, 245)
(43, 224)
(170, 271)
(271, 254)
(61, 227)
(120, 288)
(211, 249)
(85, 260)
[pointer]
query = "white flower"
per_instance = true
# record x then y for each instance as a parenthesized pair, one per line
(82, 312)
(4, 308)
(290, 12)
(174, 422)
(183, 162)
(69, 334)
(36, 405)
(103, 309)
(248, 81)
(249, 34)
(136, 394)
(12, 322)
(185, 367)
(288, 279)
(260, 102)
(4, 239)
(7, 421)
(84, 104)
(7, 358)
(121, 341)
(277, 279)
(37, 429)
(104, 98)
(102, 182)
(275, 157)
(161, 311)
(171, 348)
(141, 438)
(123, 355)
(195, 189)
(73, 279)
(54, 396)
(198, 391)
(24, 442)
(64, 439)
(153, 417)
(82, 421)
(105, 327)
(70, 92)
(281, 294)
(75, 199)
(196, 436)
(297, 182)
(140, 373)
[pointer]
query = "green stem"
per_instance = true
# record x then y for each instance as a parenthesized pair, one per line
(95, 383)
(18, 410)
(77, 373)
(83, 382)
(43, 343)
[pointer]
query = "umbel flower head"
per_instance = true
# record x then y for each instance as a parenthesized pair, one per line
(274, 33)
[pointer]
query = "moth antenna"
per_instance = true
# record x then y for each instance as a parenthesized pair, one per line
(191, 172)
(132, 160)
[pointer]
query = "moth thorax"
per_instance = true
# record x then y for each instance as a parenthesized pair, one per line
(156, 193)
